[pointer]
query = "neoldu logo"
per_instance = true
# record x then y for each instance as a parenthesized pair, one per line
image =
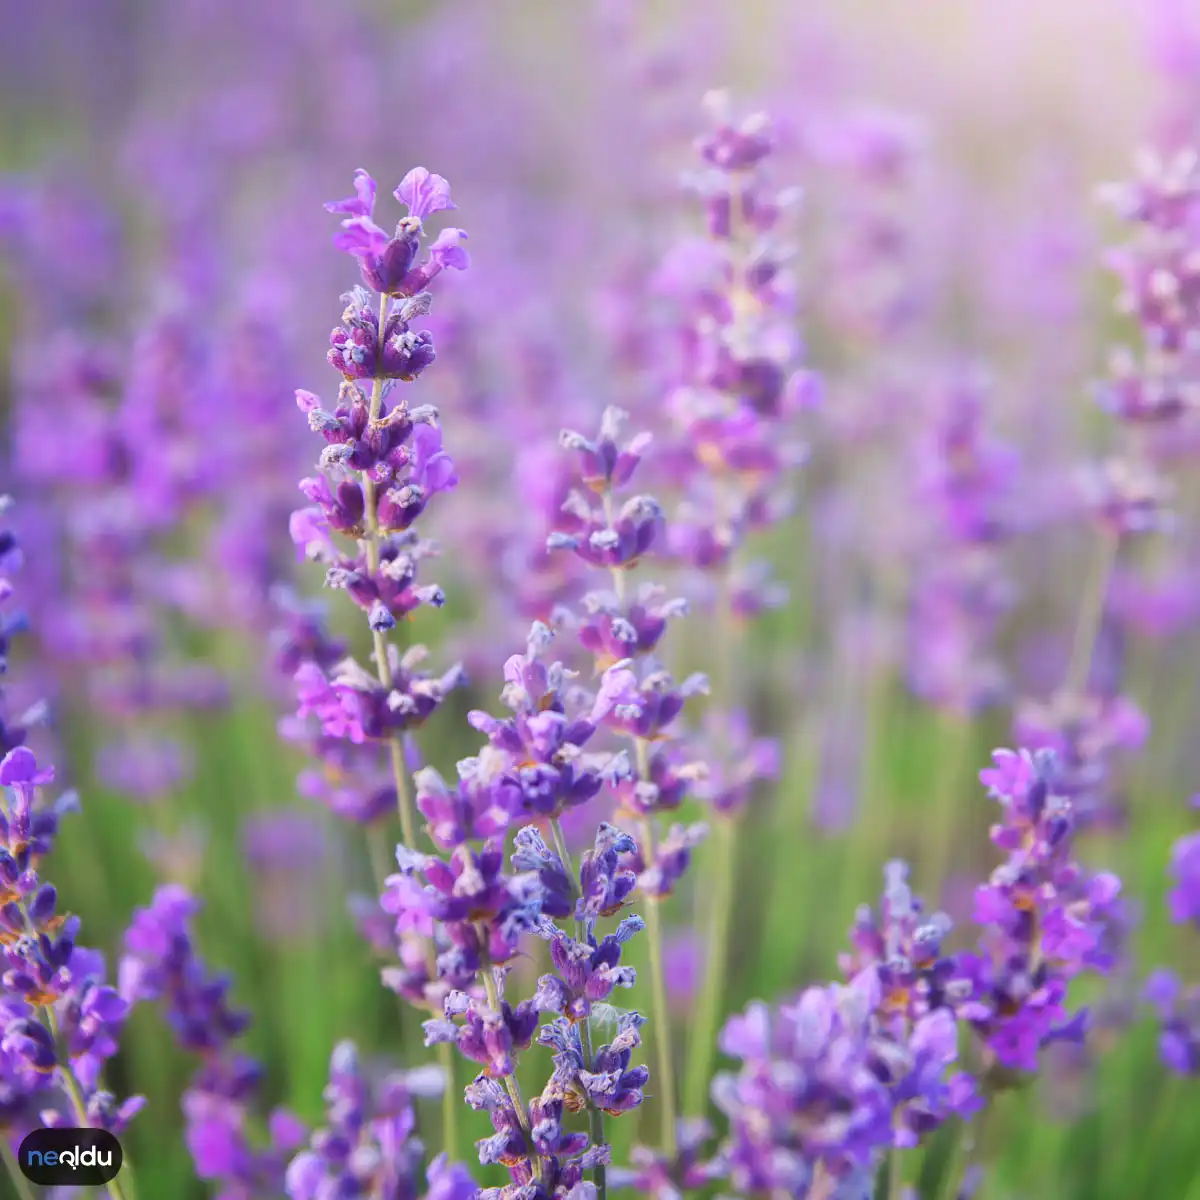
(73, 1157)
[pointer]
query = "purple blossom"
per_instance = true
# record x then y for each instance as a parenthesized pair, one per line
(1045, 920)
(653, 1174)
(60, 1019)
(1179, 1011)
(822, 1087)
(485, 1036)
(641, 700)
(586, 971)
(388, 264)
(369, 1145)
(1184, 898)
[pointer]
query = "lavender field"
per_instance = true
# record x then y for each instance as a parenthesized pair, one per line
(691, 688)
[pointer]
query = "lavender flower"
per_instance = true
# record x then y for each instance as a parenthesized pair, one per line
(369, 1145)
(1184, 899)
(382, 464)
(161, 965)
(1044, 919)
(1178, 1009)
(388, 264)
(60, 1019)
(824, 1090)
(967, 478)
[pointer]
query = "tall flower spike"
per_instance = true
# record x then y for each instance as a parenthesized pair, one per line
(383, 462)
(161, 965)
(827, 1087)
(1045, 921)
(60, 1018)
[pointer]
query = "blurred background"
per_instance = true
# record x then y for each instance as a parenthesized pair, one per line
(166, 258)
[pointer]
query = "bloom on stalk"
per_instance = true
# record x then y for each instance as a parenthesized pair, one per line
(1045, 920)
(388, 264)
(1088, 735)
(161, 965)
(825, 1088)
(966, 478)
(382, 463)
(369, 1145)
(60, 1019)
(1177, 1006)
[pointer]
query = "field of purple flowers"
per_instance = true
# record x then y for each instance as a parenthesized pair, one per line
(691, 688)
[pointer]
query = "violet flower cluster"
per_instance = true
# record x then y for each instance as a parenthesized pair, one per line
(1154, 389)
(965, 482)
(460, 915)
(60, 1018)
(137, 476)
(736, 382)
(476, 912)
(1045, 920)
(382, 463)
(832, 1082)
(369, 1146)
(636, 700)
(1178, 1005)
(161, 965)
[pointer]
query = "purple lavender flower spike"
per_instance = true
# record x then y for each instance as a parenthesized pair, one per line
(1184, 899)
(1045, 920)
(1178, 1008)
(1179, 1012)
(369, 1144)
(388, 263)
(161, 965)
(587, 972)
(1088, 734)
(653, 1174)
(60, 1019)
(824, 1090)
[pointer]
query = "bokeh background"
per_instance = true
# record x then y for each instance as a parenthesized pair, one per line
(164, 168)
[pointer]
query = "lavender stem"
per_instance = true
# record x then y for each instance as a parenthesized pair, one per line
(510, 1081)
(595, 1115)
(716, 952)
(721, 898)
(658, 978)
(404, 801)
(70, 1084)
(113, 1188)
(20, 1183)
(1092, 613)
(895, 1176)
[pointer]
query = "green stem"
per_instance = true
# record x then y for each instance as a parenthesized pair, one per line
(955, 742)
(964, 1147)
(560, 848)
(20, 1183)
(895, 1176)
(705, 1027)
(658, 985)
(404, 801)
(1092, 613)
(595, 1114)
(75, 1095)
(449, 1101)
(510, 1081)
(69, 1082)
(378, 853)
